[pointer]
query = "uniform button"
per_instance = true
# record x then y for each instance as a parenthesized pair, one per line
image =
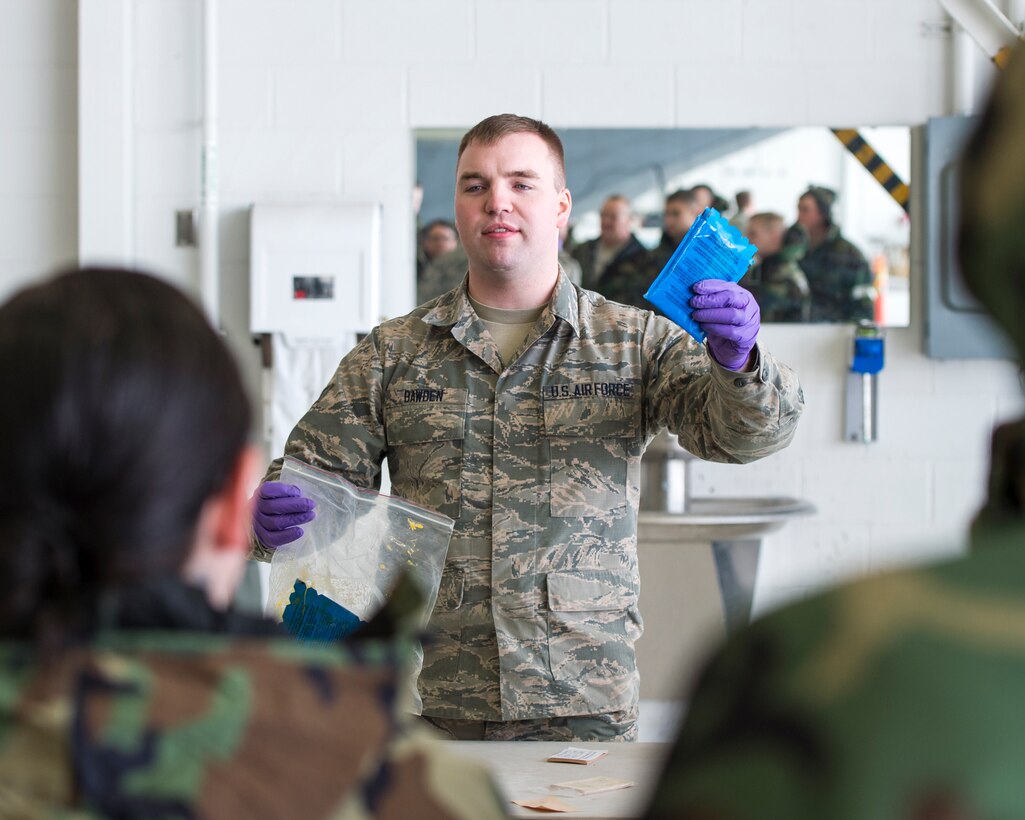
(740, 382)
(765, 374)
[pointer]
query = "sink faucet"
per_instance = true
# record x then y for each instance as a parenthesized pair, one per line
(665, 475)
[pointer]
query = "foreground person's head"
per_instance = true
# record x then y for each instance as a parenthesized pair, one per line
(125, 459)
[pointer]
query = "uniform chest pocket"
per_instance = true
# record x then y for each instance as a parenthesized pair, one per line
(589, 445)
(425, 431)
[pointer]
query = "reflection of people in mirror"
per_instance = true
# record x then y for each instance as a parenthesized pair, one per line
(602, 257)
(776, 279)
(842, 287)
(633, 277)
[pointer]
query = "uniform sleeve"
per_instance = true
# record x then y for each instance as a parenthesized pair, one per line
(719, 414)
(343, 432)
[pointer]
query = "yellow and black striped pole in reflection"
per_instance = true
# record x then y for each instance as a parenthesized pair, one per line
(875, 165)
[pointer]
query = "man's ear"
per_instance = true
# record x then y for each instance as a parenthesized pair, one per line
(232, 505)
(565, 207)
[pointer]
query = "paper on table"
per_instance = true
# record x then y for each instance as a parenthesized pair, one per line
(573, 754)
(594, 785)
(549, 803)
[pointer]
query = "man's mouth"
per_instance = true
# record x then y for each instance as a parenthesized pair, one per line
(499, 230)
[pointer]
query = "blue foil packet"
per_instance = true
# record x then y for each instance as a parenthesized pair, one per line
(311, 616)
(712, 249)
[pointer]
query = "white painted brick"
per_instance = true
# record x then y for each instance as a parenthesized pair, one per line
(38, 164)
(609, 96)
(540, 32)
(280, 165)
(277, 32)
(902, 546)
(169, 31)
(734, 94)
(978, 377)
(40, 228)
(245, 96)
(898, 29)
(366, 153)
(340, 96)
(167, 95)
(770, 34)
(674, 31)
(38, 32)
(38, 100)
(167, 163)
(774, 476)
(395, 31)
(960, 491)
(810, 553)
(938, 426)
(452, 97)
(864, 487)
(830, 32)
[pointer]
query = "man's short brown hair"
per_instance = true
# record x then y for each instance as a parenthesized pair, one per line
(490, 130)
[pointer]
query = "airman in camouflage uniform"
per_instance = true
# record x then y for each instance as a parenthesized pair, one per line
(898, 696)
(776, 279)
(538, 461)
(841, 282)
(157, 723)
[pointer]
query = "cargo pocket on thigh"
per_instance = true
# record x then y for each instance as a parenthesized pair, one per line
(592, 625)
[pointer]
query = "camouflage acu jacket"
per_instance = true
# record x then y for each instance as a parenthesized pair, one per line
(894, 698)
(539, 464)
(161, 724)
(842, 286)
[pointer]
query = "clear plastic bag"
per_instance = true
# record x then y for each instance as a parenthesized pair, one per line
(349, 558)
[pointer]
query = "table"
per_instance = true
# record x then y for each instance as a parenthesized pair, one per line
(523, 774)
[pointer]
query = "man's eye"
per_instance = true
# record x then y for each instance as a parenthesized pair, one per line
(470, 189)
(522, 186)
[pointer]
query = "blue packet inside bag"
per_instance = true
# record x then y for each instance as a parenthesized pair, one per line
(712, 249)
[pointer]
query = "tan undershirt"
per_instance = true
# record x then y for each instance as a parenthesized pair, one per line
(507, 327)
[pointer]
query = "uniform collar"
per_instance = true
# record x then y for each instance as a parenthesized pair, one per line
(454, 307)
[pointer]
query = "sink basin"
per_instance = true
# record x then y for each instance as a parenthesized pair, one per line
(720, 519)
(734, 527)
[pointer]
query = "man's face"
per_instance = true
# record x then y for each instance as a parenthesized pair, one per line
(508, 209)
(704, 197)
(616, 222)
(767, 239)
(677, 219)
(808, 213)
(440, 239)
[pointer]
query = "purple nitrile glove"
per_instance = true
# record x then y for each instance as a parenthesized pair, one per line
(278, 511)
(730, 317)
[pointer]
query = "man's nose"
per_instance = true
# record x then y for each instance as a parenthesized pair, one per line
(498, 200)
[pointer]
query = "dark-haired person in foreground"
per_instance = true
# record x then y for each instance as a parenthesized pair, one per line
(128, 686)
(520, 405)
(898, 697)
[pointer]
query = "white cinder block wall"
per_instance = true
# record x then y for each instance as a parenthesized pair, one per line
(320, 98)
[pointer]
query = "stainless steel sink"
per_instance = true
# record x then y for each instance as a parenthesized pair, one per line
(734, 528)
(720, 519)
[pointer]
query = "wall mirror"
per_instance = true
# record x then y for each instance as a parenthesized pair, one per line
(776, 165)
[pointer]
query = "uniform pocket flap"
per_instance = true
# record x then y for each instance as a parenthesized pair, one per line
(418, 416)
(593, 590)
(613, 414)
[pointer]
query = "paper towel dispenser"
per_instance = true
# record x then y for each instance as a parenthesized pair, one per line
(315, 268)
